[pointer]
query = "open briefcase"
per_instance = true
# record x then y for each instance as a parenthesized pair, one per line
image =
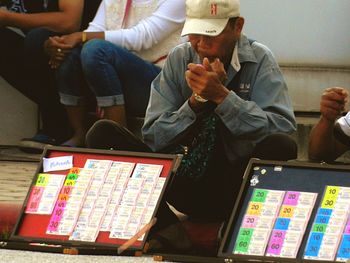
(287, 212)
(85, 201)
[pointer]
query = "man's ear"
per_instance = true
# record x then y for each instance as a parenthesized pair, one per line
(239, 24)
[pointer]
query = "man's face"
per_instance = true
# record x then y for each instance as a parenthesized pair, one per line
(220, 46)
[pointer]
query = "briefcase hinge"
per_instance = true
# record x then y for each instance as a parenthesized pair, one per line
(3, 244)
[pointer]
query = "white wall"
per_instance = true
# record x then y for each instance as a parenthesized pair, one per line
(306, 32)
(306, 84)
(310, 39)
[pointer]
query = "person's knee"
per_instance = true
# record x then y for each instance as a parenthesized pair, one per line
(35, 38)
(93, 52)
(69, 67)
(280, 147)
(64, 70)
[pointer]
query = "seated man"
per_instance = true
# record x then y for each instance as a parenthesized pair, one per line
(38, 20)
(220, 99)
(329, 138)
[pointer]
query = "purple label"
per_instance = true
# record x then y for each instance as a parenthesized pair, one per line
(250, 221)
(53, 224)
(347, 229)
(276, 242)
(56, 216)
(291, 198)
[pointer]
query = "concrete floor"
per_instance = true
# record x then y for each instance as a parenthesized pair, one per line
(16, 256)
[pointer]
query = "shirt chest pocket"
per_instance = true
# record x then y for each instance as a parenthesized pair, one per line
(243, 91)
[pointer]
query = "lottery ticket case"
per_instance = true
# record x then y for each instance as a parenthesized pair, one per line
(287, 212)
(106, 199)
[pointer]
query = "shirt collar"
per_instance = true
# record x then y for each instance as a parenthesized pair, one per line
(234, 60)
(245, 50)
(242, 52)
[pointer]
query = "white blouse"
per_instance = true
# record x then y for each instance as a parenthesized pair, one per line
(152, 27)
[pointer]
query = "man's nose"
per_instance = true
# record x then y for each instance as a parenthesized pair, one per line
(204, 38)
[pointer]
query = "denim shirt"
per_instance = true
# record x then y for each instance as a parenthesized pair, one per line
(258, 107)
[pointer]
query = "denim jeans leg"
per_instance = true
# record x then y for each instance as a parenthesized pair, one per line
(113, 72)
(70, 79)
(43, 89)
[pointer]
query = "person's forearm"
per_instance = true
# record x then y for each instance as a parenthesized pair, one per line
(322, 141)
(92, 35)
(55, 21)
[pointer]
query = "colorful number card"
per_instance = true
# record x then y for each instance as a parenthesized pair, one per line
(64, 216)
(258, 221)
(44, 194)
(344, 248)
(99, 196)
(291, 224)
(328, 226)
(116, 197)
(136, 206)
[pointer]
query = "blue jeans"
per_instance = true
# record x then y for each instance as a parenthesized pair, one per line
(114, 75)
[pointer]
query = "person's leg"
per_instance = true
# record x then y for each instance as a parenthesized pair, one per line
(116, 113)
(211, 198)
(70, 83)
(41, 87)
(77, 118)
(107, 134)
(118, 78)
(35, 81)
(278, 147)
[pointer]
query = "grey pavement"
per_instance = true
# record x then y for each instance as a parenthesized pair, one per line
(18, 256)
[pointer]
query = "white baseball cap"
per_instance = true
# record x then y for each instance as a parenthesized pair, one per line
(209, 17)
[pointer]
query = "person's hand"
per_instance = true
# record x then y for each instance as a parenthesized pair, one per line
(218, 67)
(207, 80)
(73, 39)
(56, 49)
(333, 102)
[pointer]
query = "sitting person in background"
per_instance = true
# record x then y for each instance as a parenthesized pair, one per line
(330, 137)
(24, 65)
(219, 100)
(118, 56)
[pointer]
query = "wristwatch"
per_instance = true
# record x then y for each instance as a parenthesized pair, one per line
(199, 98)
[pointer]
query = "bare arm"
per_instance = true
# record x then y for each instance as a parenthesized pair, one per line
(322, 143)
(66, 20)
